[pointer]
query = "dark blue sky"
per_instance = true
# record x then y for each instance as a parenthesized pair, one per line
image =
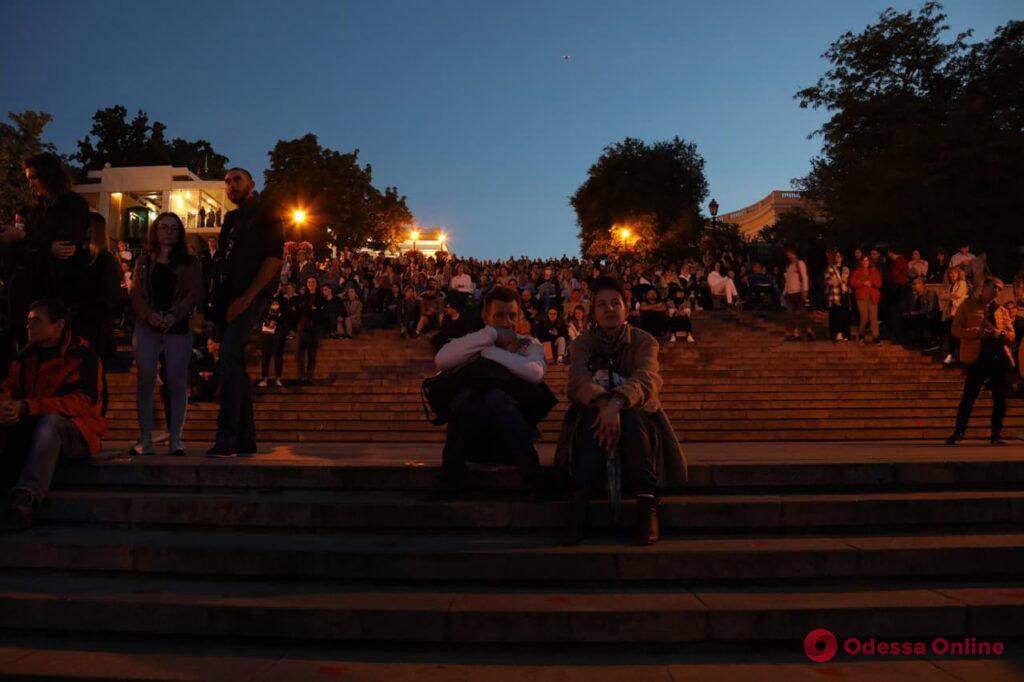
(468, 107)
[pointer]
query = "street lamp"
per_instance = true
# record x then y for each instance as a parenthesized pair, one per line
(713, 207)
(414, 235)
(298, 216)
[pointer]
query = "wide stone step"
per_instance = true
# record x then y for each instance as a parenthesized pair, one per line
(341, 612)
(318, 472)
(535, 560)
(388, 510)
(40, 657)
(689, 435)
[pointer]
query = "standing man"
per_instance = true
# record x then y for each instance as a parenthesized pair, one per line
(247, 268)
(985, 330)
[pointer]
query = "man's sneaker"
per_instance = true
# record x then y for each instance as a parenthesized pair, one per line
(955, 438)
(262, 383)
(220, 452)
(672, 338)
(997, 440)
(277, 382)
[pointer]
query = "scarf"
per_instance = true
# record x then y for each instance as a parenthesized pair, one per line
(610, 345)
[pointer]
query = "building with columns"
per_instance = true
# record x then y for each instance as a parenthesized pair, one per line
(129, 198)
(752, 219)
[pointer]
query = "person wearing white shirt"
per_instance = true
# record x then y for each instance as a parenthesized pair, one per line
(722, 286)
(794, 294)
(488, 424)
(461, 281)
(961, 257)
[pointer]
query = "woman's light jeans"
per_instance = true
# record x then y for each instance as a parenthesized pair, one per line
(177, 348)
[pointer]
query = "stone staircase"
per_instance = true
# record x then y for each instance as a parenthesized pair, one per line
(329, 551)
(740, 382)
(332, 546)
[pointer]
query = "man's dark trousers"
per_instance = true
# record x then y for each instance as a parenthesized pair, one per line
(996, 368)
(488, 426)
(236, 424)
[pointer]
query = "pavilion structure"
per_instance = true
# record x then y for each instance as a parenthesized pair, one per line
(130, 197)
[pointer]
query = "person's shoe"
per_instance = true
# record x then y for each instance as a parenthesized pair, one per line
(262, 383)
(577, 513)
(690, 339)
(140, 450)
(671, 338)
(948, 360)
(180, 452)
(647, 527)
(17, 513)
(955, 438)
(277, 382)
(997, 439)
(221, 452)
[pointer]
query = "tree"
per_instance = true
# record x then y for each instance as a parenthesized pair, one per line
(18, 142)
(659, 186)
(121, 142)
(343, 206)
(925, 138)
(796, 228)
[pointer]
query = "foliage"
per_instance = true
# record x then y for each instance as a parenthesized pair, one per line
(343, 206)
(661, 185)
(121, 142)
(925, 144)
(796, 228)
(18, 140)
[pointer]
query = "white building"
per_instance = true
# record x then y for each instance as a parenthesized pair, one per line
(129, 198)
(426, 240)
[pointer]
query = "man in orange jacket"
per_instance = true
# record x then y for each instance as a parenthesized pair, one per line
(50, 407)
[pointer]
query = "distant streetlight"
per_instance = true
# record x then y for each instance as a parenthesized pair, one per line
(713, 207)
(298, 216)
(414, 236)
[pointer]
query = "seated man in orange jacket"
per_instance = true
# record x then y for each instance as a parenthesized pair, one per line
(50, 408)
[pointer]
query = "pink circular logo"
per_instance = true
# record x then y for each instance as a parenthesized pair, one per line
(820, 645)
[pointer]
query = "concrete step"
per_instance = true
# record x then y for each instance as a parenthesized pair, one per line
(505, 560)
(158, 661)
(378, 510)
(342, 612)
(321, 472)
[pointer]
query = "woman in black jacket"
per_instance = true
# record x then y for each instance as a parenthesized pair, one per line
(309, 315)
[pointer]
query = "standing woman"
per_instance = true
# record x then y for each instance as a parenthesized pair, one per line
(950, 299)
(309, 306)
(795, 295)
(866, 282)
(613, 385)
(837, 288)
(166, 287)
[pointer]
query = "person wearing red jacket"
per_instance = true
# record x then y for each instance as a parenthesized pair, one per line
(50, 408)
(866, 282)
(896, 293)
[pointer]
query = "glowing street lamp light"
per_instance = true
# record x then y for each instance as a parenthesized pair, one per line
(414, 236)
(298, 216)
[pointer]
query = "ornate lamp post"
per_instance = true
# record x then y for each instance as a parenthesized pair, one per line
(713, 207)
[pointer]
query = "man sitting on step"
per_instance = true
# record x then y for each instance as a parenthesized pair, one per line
(50, 409)
(486, 423)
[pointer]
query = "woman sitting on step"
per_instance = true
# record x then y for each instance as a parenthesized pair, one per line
(614, 381)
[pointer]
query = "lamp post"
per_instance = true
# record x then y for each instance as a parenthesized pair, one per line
(414, 235)
(713, 207)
